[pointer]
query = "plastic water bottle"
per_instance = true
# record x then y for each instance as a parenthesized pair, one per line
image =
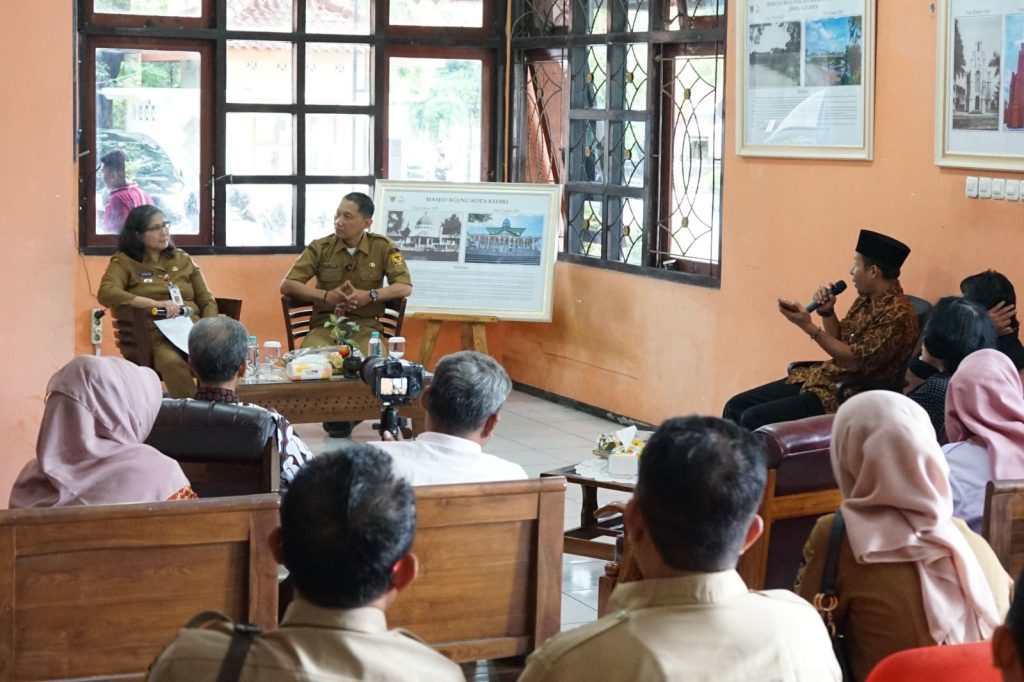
(252, 362)
(374, 350)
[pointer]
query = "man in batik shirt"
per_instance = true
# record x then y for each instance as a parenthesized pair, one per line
(217, 355)
(872, 344)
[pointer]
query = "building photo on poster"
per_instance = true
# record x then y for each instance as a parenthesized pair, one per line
(474, 248)
(980, 107)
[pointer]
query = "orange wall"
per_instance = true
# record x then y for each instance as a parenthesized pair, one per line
(651, 349)
(38, 187)
(634, 345)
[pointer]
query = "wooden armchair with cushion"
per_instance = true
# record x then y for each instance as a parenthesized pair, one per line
(133, 336)
(298, 313)
(1003, 524)
(800, 489)
(223, 449)
(98, 591)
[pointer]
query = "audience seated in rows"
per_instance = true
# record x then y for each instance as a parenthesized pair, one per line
(1008, 641)
(956, 328)
(871, 344)
(691, 616)
(463, 404)
(994, 292)
(985, 427)
(90, 449)
(347, 525)
(909, 574)
(218, 349)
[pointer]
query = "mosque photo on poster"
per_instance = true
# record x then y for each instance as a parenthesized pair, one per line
(980, 74)
(497, 238)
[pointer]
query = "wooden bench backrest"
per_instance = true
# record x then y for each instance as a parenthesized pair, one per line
(490, 568)
(100, 590)
(1003, 525)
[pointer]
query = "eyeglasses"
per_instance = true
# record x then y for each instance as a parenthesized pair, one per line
(166, 226)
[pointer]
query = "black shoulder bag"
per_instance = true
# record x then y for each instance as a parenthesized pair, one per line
(242, 637)
(827, 599)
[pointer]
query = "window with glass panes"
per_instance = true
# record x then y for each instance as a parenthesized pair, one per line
(621, 100)
(246, 121)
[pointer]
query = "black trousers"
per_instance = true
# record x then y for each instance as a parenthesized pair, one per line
(772, 403)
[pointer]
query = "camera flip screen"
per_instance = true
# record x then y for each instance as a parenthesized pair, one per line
(394, 386)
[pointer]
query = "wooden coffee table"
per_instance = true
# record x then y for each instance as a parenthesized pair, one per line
(580, 540)
(334, 399)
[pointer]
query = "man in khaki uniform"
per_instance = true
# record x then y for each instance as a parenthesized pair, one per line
(690, 617)
(350, 267)
(347, 524)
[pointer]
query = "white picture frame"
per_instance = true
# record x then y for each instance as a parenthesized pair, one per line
(475, 249)
(805, 79)
(979, 87)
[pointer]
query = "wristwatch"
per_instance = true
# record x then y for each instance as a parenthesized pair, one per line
(374, 295)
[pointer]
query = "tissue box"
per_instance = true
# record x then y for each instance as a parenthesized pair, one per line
(308, 368)
(623, 464)
(612, 443)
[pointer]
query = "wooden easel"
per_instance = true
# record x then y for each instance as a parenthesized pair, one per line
(474, 332)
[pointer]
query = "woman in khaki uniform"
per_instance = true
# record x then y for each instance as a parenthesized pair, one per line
(908, 573)
(141, 273)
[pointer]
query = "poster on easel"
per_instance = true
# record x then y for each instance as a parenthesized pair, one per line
(483, 249)
(980, 89)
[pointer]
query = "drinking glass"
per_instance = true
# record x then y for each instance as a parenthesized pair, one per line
(396, 347)
(271, 354)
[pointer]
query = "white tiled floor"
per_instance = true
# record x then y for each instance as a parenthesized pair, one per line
(539, 435)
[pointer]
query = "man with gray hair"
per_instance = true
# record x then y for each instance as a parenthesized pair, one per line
(218, 348)
(463, 404)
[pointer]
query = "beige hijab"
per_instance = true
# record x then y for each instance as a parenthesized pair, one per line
(90, 449)
(898, 508)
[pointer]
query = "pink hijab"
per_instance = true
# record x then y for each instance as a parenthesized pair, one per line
(898, 508)
(985, 405)
(90, 449)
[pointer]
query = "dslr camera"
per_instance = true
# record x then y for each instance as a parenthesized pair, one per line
(394, 382)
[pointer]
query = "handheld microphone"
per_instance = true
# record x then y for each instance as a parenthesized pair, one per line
(161, 313)
(834, 290)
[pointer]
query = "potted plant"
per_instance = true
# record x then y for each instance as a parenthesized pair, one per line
(342, 330)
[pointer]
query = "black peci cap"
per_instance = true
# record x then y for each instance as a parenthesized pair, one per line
(882, 249)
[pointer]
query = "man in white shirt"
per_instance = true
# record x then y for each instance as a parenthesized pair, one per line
(463, 404)
(690, 617)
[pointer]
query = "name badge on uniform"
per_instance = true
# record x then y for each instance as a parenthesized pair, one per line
(174, 268)
(145, 274)
(175, 294)
(372, 264)
(330, 266)
(148, 280)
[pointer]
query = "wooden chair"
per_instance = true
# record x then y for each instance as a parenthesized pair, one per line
(99, 591)
(133, 335)
(223, 449)
(298, 313)
(490, 568)
(1003, 524)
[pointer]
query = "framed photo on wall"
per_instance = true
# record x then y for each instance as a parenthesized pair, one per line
(805, 78)
(980, 88)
